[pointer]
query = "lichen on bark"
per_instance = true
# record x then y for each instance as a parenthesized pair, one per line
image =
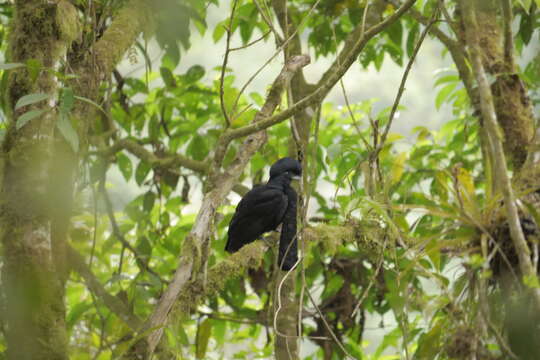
(33, 286)
(248, 257)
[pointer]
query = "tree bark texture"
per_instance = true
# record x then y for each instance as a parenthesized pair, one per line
(34, 274)
(40, 168)
(512, 104)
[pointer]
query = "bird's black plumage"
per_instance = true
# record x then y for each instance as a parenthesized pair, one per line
(264, 207)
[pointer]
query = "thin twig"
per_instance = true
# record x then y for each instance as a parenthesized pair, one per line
(326, 83)
(336, 340)
(94, 237)
(114, 304)
(118, 234)
(224, 66)
(268, 22)
(501, 171)
(250, 43)
(403, 82)
(371, 281)
(276, 53)
(508, 16)
(342, 85)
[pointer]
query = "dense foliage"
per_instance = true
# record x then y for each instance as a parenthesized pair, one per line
(397, 229)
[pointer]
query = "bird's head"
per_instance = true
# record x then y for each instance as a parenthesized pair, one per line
(288, 166)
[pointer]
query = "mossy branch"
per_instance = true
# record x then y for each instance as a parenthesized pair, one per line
(121, 34)
(248, 257)
(500, 170)
(221, 184)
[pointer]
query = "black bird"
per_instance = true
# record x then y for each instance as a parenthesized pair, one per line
(264, 207)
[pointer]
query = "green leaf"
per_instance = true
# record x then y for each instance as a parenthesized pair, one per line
(141, 172)
(184, 339)
(204, 330)
(198, 148)
(68, 132)
(27, 116)
(219, 330)
(332, 286)
(531, 281)
(429, 343)
(125, 166)
(398, 167)
(31, 99)
(167, 76)
(444, 94)
(88, 101)
(67, 100)
(76, 312)
(446, 79)
(194, 73)
(219, 31)
(148, 201)
(34, 68)
(10, 66)
(144, 247)
(411, 39)
(395, 33)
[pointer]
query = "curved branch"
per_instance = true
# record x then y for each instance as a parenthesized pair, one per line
(494, 133)
(140, 152)
(171, 161)
(121, 34)
(327, 82)
(222, 183)
(114, 304)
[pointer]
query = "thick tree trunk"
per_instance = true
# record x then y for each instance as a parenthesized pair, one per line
(512, 104)
(33, 274)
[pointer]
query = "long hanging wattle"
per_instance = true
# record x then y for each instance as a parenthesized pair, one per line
(264, 208)
(288, 248)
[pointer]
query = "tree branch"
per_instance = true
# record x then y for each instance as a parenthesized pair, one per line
(171, 161)
(121, 34)
(327, 82)
(501, 171)
(199, 236)
(248, 257)
(94, 285)
(508, 36)
(356, 41)
(118, 234)
(142, 153)
(456, 51)
(404, 81)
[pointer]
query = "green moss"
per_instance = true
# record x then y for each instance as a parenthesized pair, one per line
(331, 237)
(40, 31)
(120, 35)
(514, 114)
(249, 257)
(68, 22)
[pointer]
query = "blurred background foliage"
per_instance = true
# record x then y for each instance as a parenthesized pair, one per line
(392, 247)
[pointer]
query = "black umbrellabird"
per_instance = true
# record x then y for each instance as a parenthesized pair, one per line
(264, 207)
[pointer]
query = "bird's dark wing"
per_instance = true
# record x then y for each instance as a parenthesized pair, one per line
(260, 210)
(288, 244)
